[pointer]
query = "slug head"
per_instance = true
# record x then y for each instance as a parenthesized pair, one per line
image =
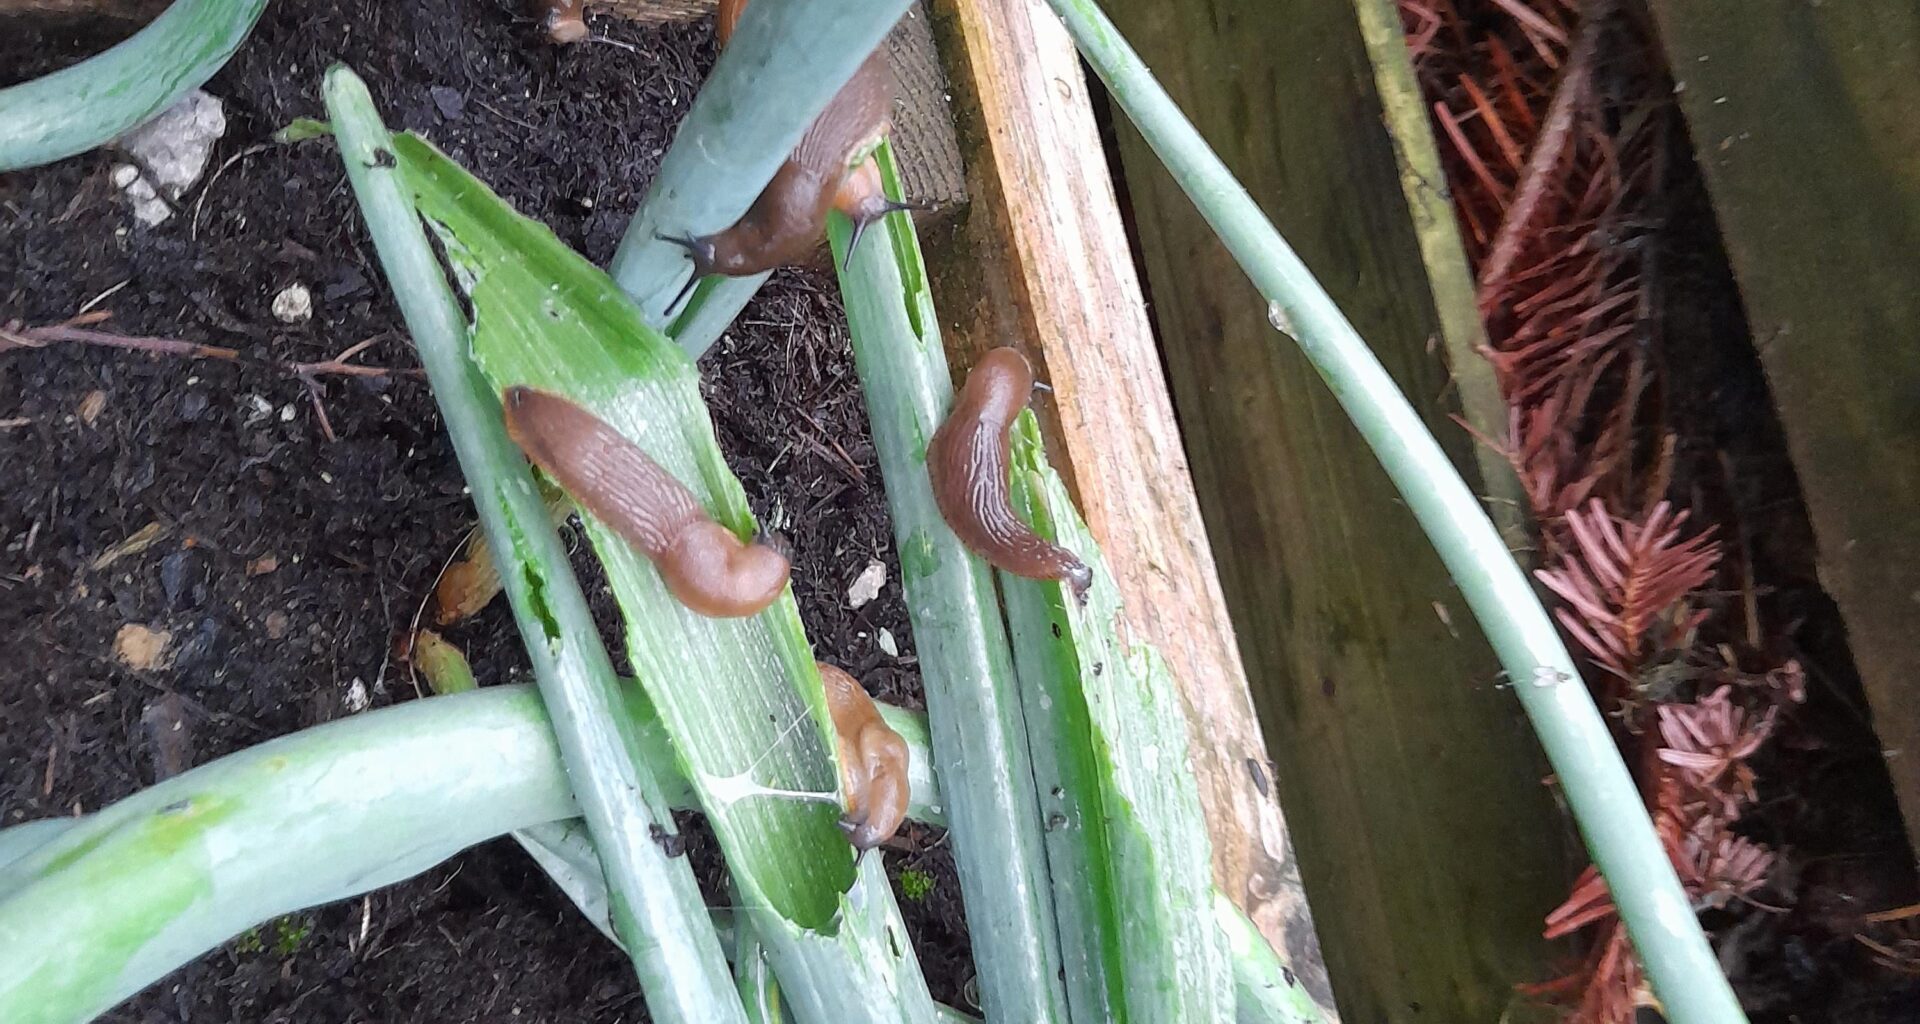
(565, 25)
(880, 805)
(1080, 578)
(712, 573)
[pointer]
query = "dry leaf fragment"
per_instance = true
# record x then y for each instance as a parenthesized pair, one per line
(141, 648)
(92, 406)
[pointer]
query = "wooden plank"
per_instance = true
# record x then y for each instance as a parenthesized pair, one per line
(1802, 117)
(1429, 847)
(1040, 259)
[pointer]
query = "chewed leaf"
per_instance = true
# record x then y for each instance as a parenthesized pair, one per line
(740, 698)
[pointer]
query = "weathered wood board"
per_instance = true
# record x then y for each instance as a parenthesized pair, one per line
(1429, 847)
(1040, 260)
(1803, 120)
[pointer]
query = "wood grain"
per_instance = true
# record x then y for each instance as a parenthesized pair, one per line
(1429, 847)
(1802, 120)
(1040, 260)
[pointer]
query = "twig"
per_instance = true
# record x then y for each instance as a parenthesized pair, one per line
(1537, 178)
(15, 335)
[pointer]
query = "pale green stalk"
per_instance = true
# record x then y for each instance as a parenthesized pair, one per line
(973, 696)
(101, 98)
(1127, 843)
(741, 697)
(783, 64)
(1599, 790)
(712, 310)
(656, 903)
(429, 777)
(141, 887)
(19, 840)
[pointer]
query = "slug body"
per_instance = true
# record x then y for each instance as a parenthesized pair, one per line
(705, 566)
(873, 761)
(788, 219)
(564, 20)
(968, 461)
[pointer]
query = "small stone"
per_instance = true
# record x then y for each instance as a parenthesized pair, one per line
(141, 648)
(174, 147)
(169, 739)
(180, 576)
(451, 104)
(294, 304)
(262, 565)
(867, 585)
(276, 625)
(885, 639)
(148, 207)
(258, 409)
(357, 699)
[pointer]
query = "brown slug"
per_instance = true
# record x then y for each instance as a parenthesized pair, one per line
(968, 461)
(873, 761)
(564, 20)
(788, 219)
(705, 566)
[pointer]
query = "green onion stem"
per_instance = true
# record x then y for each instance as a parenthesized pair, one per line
(656, 903)
(103, 97)
(973, 696)
(95, 908)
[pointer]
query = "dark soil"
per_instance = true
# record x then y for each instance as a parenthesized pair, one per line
(286, 562)
(1826, 802)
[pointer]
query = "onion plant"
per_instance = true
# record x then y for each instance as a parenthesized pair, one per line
(980, 733)
(1599, 790)
(1056, 737)
(655, 900)
(740, 698)
(97, 100)
(1066, 746)
(431, 777)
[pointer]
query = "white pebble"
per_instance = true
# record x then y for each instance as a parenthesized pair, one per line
(293, 305)
(867, 585)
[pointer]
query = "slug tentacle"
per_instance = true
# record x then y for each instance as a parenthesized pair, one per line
(704, 565)
(864, 200)
(873, 761)
(969, 461)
